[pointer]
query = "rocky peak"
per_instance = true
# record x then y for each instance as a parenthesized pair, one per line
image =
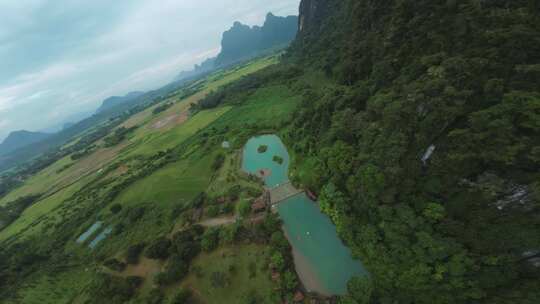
(311, 13)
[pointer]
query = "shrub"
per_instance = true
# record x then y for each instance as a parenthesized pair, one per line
(262, 148)
(159, 249)
(218, 279)
(133, 253)
(218, 162)
(210, 239)
(176, 270)
(155, 296)
(212, 211)
(244, 208)
(134, 281)
(114, 289)
(114, 264)
(182, 297)
(278, 159)
(116, 208)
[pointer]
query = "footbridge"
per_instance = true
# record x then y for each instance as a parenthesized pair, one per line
(282, 192)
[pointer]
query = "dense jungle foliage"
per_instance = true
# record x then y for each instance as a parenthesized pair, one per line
(427, 150)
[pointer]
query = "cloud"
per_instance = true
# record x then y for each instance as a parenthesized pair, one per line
(59, 57)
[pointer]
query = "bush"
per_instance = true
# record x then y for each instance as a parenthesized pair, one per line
(133, 253)
(114, 264)
(176, 270)
(210, 239)
(116, 208)
(114, 289)
(278, 159)
(244, 208)
(135, 214)
(182, 297)
(218, 162)
(218, 279)
(199, 200)
(212, 211)
(159, 249)
(262, 148)
(162, 108)
(134, 281)
(155, 296)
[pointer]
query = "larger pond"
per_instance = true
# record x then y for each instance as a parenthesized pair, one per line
(322, 261)
(254, 161)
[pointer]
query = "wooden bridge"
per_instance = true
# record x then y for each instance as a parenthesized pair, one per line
(282, 192)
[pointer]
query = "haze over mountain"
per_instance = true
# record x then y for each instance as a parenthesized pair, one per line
(18, 139)
(53, 67)
(242, 42)
(118, 100)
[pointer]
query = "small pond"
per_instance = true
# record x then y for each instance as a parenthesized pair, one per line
(253, 161)
(322, 261)
(89, 232)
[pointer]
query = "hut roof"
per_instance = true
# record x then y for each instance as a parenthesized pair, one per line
(298, 296)
(258, 206)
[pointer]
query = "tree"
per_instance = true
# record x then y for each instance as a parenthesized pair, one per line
(133, 252)
(182, 297)
(159, 249)
(218, 279)
(116, 208)
(360, 290)
(155, 296)
(210, 239)
(244, 208)
(218, 162)
(278, 261)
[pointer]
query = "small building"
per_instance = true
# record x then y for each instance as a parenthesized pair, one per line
(226, 145)
(311, 195)
(298, 296)
(429, 152)
(258, 206)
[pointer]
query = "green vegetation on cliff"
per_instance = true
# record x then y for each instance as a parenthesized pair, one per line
(426, 143)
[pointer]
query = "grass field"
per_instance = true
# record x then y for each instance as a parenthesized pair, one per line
(63, 287)
(176, 183)
(156, 142)
(267, 106)
(41, 213)
(39, 183)
(235, 262)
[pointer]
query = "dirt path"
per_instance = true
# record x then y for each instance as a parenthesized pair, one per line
(218, 221)
(170, 121)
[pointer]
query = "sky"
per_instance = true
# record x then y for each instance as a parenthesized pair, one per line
(60, 58)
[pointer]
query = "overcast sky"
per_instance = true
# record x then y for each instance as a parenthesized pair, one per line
(61, 57)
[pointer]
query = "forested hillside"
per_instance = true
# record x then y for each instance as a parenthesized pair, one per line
(416, 125)
(427, 150)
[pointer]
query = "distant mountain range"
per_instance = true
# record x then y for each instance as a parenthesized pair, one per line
(114, 101)
(242, 42)
(18, 139)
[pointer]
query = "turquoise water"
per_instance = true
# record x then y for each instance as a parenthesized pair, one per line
(100, 237)
(315, 237)
(310, 232)
(89, 232)
(253, 161)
